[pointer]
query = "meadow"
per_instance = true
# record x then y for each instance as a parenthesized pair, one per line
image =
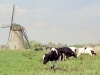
(29, 62)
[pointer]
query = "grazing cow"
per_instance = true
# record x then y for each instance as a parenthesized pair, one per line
(86, 50)
(67, 52)
(52, 56)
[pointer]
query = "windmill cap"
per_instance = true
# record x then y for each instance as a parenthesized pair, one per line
(16, 27)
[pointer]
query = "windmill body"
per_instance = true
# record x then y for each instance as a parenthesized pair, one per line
(16, 40)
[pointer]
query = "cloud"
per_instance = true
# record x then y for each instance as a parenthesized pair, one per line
(84, 16)
(20, 11)
(6, 9)
(89, 12)
(39, 24)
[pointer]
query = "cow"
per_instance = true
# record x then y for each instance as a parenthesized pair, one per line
(86, 50)
(52, 56)
(67, 52)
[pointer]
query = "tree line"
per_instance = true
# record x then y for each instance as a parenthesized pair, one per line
(39, 46)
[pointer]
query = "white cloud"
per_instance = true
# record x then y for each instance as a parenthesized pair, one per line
(89, 12)
(6, 9)
(20, 11)
(83, 16)
(39, 24)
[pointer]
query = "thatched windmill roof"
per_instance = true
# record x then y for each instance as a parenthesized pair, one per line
(16, 27)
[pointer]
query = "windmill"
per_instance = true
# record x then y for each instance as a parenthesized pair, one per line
(17, 38)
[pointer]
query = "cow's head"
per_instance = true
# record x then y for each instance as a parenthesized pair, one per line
(93, 52)
(45, 58)
(74, 54)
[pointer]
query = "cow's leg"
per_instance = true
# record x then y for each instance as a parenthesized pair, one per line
(75, 51)
(52, 64)
(78, 54)
(67, 57)
(56, 64)
(90, 54)
(64, 56)
(61, 56)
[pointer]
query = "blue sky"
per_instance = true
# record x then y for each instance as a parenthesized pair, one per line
(57, 21)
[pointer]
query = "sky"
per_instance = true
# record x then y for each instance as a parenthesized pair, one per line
(59, 21)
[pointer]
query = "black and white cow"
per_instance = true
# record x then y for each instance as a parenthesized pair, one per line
(67, 52)
(86, 50)
(52, 56)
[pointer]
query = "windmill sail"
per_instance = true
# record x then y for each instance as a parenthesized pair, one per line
(11, 24)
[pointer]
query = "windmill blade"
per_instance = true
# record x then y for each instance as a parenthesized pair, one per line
(5, 26)
(26, 38)
(12, 15)
(11, 24)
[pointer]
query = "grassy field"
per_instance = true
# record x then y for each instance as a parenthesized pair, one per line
(28, 62)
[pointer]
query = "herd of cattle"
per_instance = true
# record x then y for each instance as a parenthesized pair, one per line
(60, 53)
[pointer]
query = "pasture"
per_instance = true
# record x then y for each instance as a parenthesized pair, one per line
(29, 62)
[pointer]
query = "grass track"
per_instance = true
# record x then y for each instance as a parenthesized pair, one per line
(28, 62)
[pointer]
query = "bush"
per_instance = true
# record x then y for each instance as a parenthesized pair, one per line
(36, 45)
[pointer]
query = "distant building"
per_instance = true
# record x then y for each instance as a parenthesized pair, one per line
(2, 47)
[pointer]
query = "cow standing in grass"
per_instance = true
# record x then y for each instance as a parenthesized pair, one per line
(52, 56)
(86, 50)
(67, 52)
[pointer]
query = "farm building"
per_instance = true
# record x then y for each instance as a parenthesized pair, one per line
(2, 47)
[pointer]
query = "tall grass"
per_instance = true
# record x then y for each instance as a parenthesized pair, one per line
(28, 62)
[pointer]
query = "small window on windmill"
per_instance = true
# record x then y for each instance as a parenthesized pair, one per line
(14, 46)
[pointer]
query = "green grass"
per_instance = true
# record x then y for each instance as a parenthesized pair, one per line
(28, 62)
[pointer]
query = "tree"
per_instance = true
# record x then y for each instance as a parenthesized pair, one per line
(50, 44)
(36, 45)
